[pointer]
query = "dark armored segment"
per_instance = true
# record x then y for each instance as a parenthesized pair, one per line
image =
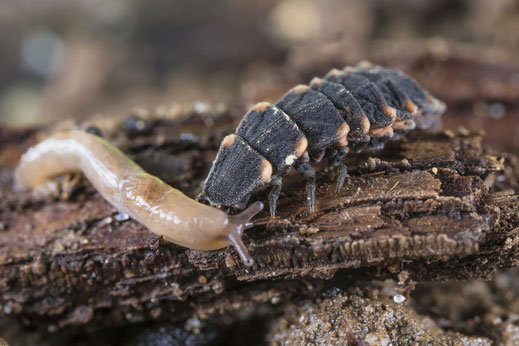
(350, 110)
(358, 107)
(316, 116)
(274, 135)
(430, 107)
(394, 96)
(379, 113)
(237, 171)
(416, 93)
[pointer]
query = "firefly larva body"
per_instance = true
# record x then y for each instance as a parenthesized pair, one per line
(354, 108)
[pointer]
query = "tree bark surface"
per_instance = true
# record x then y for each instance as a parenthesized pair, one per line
(436, 205)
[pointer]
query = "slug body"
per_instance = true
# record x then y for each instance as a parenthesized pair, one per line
(161, 208)
(356, 108)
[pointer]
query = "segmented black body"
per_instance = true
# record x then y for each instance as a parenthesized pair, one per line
(357, 107)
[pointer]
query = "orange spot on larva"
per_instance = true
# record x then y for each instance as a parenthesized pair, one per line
(342, 142)
(228, 140)
(301, 146)
(433, 100)
(261, 106)
(410, 106)
(381, 132)
(316, 81)
(349, 69)
(390, 111)
(365, 125)
(335, 72)
(266, 171)
(365, 64)
(342, 133)
(300, 88)
(343, 130)
(403, 124)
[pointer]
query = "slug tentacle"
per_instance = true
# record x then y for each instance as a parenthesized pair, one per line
(235, 227)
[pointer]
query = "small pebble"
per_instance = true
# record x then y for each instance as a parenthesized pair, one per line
(94, 130)
(187, 137)
(193, 323)
(399, 299)
(496, 110)
(106, 221)
(135, 125)
(122, 216)
(8, 309)
(200, 107)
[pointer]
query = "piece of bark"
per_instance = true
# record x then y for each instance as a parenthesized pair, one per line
(424, 204)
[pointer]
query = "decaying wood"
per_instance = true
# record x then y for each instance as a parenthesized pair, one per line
(427, 204)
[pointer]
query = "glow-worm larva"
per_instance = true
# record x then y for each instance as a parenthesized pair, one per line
(164, 210)
(356, 108)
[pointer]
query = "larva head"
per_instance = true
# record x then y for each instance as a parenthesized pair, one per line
(237, 171)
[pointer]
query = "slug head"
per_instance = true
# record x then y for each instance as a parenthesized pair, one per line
(235, 227)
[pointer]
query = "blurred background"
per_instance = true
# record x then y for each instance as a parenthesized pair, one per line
(99, 58)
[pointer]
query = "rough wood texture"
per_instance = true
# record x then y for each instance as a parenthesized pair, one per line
(426, 204)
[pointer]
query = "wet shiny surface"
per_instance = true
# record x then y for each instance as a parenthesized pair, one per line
(161, 208)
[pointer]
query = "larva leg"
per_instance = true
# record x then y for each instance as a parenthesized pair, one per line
(357, 145)
(378, 143)
(343, 172)
(304, 168)
(274, 194)
(335, 157)
(316, 154)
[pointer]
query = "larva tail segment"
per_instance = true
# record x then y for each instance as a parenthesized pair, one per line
(237, 225)
(423, 100)
(367, 94)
